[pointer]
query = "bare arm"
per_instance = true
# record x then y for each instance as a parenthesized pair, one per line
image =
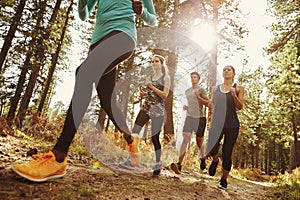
(203, 100)
(238, 96)
(210, 104)
(142, 93)
(161, 93)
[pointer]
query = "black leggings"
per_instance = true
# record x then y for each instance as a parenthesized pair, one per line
(230, 137)
(99, 68)
(156, 124)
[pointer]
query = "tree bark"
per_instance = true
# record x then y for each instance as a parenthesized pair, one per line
(22, 78)
(11, 33)
(214, 51)
(169, 124)
(41, 58)
(258, 134)
(54, 61)
(107, 125)
(101, 118)
(26, 98)
(295, 145)
(172, 64)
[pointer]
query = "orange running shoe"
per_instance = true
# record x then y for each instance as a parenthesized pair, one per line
(45, 167)
(133, 149)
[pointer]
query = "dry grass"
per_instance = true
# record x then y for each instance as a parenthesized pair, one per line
(110, 148)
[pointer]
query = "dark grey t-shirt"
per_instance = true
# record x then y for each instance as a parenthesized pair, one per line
(195, 108)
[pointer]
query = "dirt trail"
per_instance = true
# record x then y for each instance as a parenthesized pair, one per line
(84, 182)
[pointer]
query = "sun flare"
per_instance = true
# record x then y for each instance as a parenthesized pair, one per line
(204, 34)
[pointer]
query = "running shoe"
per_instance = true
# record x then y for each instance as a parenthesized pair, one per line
(213, 168)
(223, 184)
(127, 165)
(202, 164)
(133, 149)
(43, 168)
(157, 169)
(176, 167)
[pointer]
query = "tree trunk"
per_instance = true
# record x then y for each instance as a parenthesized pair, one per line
(172, 64)
(295, 146)
(285, 160)
(243, 158)
(2, 106)
(169, 124)
(101, 118)
(258, 134)
(295, 151)
(54, 60)
(281, 157)
(28, 93)
(214, 52)
(267, 159)
(107, 125)
(41, 58)
(236, 159)
(270, 156)
(252, 155)
(274, 158)
(298, 51)
(16, 98)
(22, 78)
(11, 33)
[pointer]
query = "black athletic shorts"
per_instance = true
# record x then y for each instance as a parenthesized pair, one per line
(196, 125)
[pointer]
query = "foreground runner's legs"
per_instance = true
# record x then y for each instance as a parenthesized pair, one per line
(119, 19)
(53, 164)
(134, 154)
(133, 149)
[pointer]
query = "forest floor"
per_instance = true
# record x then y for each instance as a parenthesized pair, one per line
(83, 181)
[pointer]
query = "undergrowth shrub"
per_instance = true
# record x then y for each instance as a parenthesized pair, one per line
(42, 127)
(288, 185)
(4, 128)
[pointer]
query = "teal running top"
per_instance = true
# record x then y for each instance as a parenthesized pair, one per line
(115, 15)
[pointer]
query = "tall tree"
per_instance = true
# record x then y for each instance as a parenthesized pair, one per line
(54, 59)
(41, 57)
(172, 64)
(11, 32)
(25, 68)
(284, 77)
(284, 86)
(251, 117)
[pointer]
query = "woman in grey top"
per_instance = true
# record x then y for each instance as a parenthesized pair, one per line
(227, 98)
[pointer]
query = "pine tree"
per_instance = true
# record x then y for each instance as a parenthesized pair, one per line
(11, 33)
(283, 80)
